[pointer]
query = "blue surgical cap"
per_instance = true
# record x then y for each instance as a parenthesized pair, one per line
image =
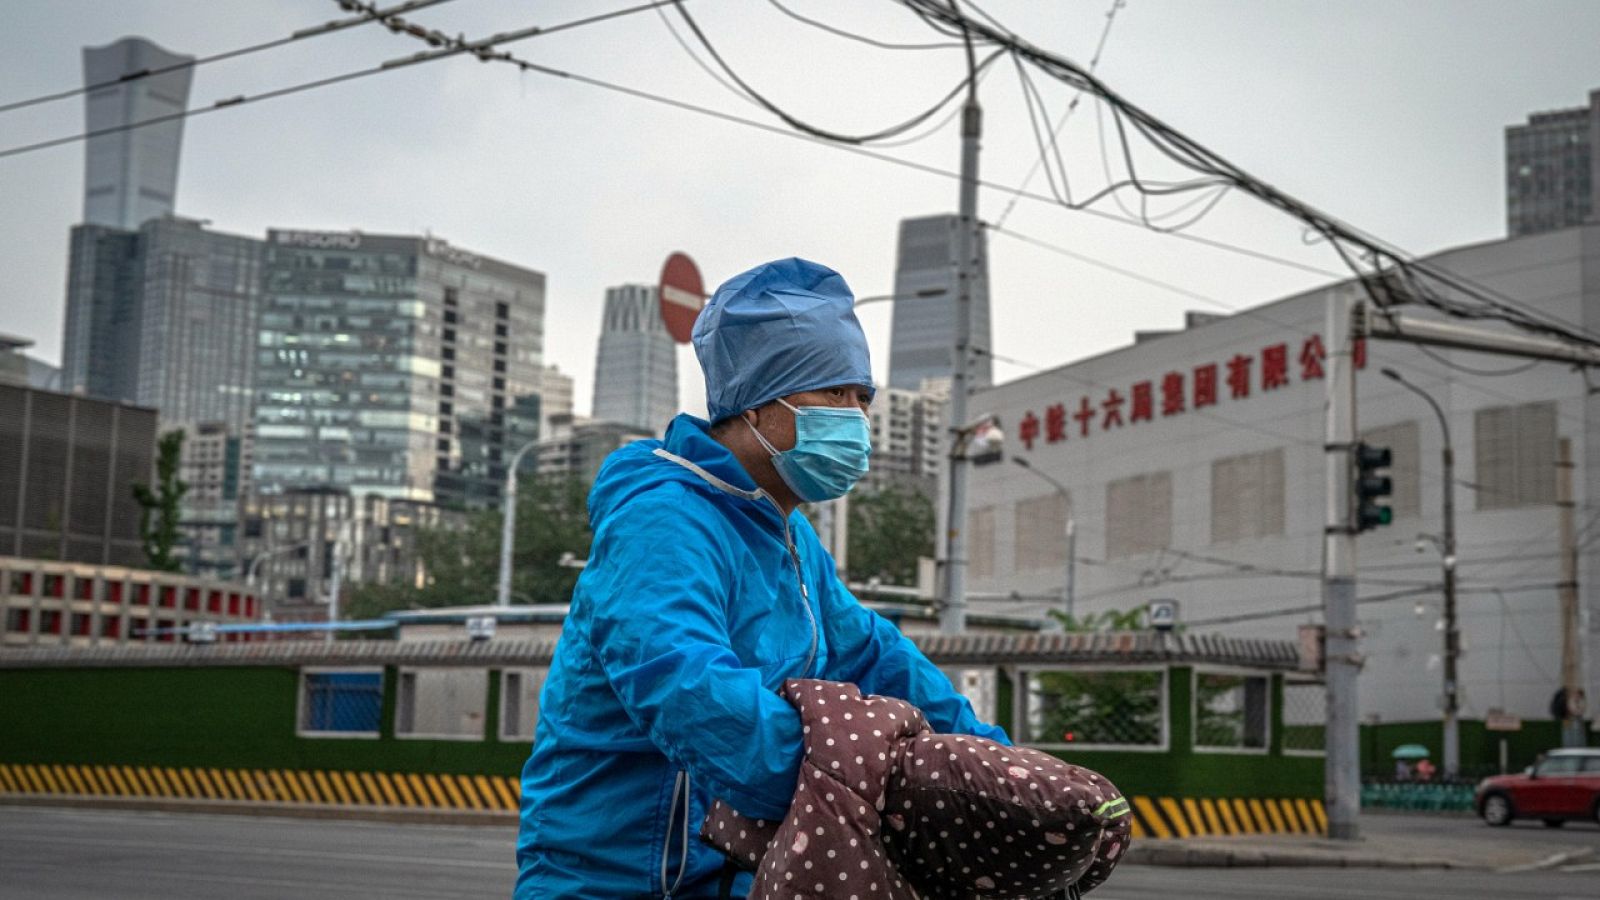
(781, 328)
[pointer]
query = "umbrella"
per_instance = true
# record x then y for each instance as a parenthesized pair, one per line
(1411, 751)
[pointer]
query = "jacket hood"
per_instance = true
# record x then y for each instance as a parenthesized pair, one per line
(688, 455)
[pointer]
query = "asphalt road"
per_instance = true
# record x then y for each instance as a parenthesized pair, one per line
(61, 854)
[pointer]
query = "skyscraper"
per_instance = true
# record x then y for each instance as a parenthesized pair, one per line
(164, 316)
(131, 176)
(1552, 169)
(393, 365)
(923, 330)
(636, 370)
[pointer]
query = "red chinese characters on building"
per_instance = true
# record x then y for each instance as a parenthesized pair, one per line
(1361, 353)
(1055, 423)
(1172, 393)
(1113, 407)
(1311, 356)
(1143, 402)
(1084, 415)
(1274, 367)
(1205, 385)
(1239, 375)
(1028, 429)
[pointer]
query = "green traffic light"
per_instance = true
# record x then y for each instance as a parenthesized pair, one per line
(1385, 515)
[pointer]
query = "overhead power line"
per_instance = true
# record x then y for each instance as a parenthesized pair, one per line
(1389, 275)
(368, 14)
(476, 48)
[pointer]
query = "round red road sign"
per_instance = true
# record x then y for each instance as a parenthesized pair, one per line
(682, 294)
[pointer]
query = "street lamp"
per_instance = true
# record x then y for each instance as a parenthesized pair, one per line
(922, 294)
(1452, 636)
(1072, 530)
(508, 522)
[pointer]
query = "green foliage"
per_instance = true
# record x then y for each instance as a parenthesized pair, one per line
(1096, 707)
(890, 529)
(463, 566)
(161, 504)
(1105, 620)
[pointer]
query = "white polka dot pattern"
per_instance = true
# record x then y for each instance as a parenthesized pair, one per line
(886, 809)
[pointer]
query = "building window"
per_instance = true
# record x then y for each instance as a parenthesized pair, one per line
(1120, 709)
(1230, 711)
(502, 310)
(1516, 453)
(1247, 496)
(1406, 470)
(19, 621)
(980, 542)
(1138, 514)
(450, 295)
(519, 703)
(340, 703)
(445, 704)
(1041, 533)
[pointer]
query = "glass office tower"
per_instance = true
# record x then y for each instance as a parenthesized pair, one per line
(394, 365)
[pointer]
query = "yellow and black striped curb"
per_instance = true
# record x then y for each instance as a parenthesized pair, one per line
(397, 790)
(1153, 817)
(1173, 817)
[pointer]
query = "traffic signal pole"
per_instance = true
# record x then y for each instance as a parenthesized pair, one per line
(1342, 766)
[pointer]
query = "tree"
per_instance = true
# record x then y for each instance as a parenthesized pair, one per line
(890, 529)
(462, 566)
(161, 535)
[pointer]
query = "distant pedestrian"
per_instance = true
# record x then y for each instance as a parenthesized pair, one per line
(1425, 770)
(1402, 770)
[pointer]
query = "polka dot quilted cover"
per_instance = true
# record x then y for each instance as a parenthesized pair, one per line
(884, 808)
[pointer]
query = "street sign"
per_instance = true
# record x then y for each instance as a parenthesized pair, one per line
(1500, 720)
(201, 633)
(1163, 614)
(480, 628)
(682, 293)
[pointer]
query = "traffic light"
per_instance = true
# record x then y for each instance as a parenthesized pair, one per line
(1370, 487)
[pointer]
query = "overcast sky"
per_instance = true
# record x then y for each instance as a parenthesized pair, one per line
(1388, 113)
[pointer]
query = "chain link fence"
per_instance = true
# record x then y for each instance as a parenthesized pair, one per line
(1090, 708)
(347, 702)
(1305, 717)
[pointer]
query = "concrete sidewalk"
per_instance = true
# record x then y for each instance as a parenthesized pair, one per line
(1388, 841)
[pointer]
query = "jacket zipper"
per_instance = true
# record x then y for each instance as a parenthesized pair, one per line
(805, 593)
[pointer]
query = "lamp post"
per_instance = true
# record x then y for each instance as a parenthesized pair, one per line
(1072, 531)
(1452, 635)
(508, 522)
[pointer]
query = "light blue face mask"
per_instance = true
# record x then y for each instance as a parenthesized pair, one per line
(830, 451)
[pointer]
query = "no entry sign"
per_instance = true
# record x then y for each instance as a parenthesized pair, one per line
(682, 294)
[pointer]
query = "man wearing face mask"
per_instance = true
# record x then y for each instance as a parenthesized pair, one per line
(705, 590)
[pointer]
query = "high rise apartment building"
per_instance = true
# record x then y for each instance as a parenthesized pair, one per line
(636, 369)
(393, 365)
(214, 464)
(132, 176)
(1552, 170)
(907, 436)
(923, 330)
(555, 399)
(164, 316)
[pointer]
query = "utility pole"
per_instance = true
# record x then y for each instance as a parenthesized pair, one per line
(1452, 630)
(1571, 650)
(1342, 765)
(334, 586)
(953, 618)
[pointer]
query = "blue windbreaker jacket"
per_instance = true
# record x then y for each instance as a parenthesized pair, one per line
(699, 599)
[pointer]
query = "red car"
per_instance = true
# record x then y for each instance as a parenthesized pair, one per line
(1564, 785)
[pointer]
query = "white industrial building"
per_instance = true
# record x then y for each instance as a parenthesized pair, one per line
(1194, 462)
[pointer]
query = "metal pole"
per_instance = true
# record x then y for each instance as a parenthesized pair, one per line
(1071, 532)
(953, 618)
(508, 524)
(1572, 730)
(333, 590)
(1342, 766)
(1452, 630)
